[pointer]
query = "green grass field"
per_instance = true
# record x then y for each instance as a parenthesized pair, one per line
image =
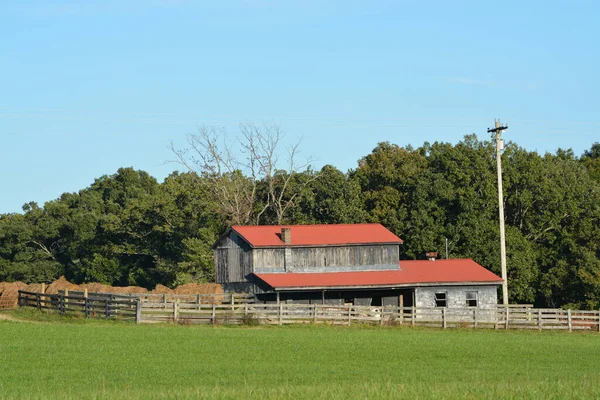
(61, 358)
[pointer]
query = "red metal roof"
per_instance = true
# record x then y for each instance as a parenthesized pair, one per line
(317, 235)
(453, 271)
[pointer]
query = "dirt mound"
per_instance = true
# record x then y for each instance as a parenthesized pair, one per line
(10, 294)
(61, 284)
(161, 289)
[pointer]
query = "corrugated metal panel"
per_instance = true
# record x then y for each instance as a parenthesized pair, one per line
(411, 272)
(320, 235)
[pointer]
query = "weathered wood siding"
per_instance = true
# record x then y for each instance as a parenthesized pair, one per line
(487, 295)
(330, 258)
(233, 259)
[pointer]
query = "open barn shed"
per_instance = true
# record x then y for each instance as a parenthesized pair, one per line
(344, 264)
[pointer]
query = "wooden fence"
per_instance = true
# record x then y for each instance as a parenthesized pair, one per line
(91, 306)
(216, 298)
(279, 314)
(208, 309)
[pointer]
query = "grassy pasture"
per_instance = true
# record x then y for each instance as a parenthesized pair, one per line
(70, 358)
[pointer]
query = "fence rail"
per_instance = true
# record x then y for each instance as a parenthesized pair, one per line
(217, 298)
(90, 306)
(280, 314)
(189, 310)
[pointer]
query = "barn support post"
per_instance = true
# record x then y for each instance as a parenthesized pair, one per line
(322, 297)
(569, 320)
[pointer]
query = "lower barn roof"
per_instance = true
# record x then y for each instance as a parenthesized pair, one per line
(410, 273)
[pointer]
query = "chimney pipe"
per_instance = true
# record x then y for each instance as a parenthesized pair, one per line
(431, 255)
(286, 235)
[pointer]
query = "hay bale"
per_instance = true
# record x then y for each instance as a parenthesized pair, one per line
(199, 288)
(129, 290)
(96, 287)
(161, 289)
(10, 294)
(61, 284)
(194, 289)
(34, 288)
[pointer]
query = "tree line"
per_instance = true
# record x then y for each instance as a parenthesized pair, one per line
(130, 229)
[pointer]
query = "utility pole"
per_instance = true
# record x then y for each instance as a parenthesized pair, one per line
(499, 147)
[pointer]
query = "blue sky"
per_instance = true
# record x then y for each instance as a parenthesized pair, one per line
(91, 86)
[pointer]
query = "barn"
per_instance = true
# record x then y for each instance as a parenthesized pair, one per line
(344, 264)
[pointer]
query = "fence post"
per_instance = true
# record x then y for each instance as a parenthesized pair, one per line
(381, 316)
(107, 308)
(232, 301)
(539, 319)
(38, 303)
(61, 303)
(66, 299)
(175, 313)
(315, 314)
(280, 313)
(598, 320)
(413, 316)
(569, 321)
(138, 311)
(198, 299)
(444, 317)
(349, 315)
(507, 316)
(475, 318)
(214, 313)
(245, 309)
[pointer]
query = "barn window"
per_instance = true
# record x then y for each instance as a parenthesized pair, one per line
(441, 299)
(471, 299)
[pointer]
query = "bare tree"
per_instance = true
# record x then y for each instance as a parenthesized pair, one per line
(233, 177)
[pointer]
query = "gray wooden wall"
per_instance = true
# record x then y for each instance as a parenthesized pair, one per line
(327, 258)
(487, 295)
(233, 259)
